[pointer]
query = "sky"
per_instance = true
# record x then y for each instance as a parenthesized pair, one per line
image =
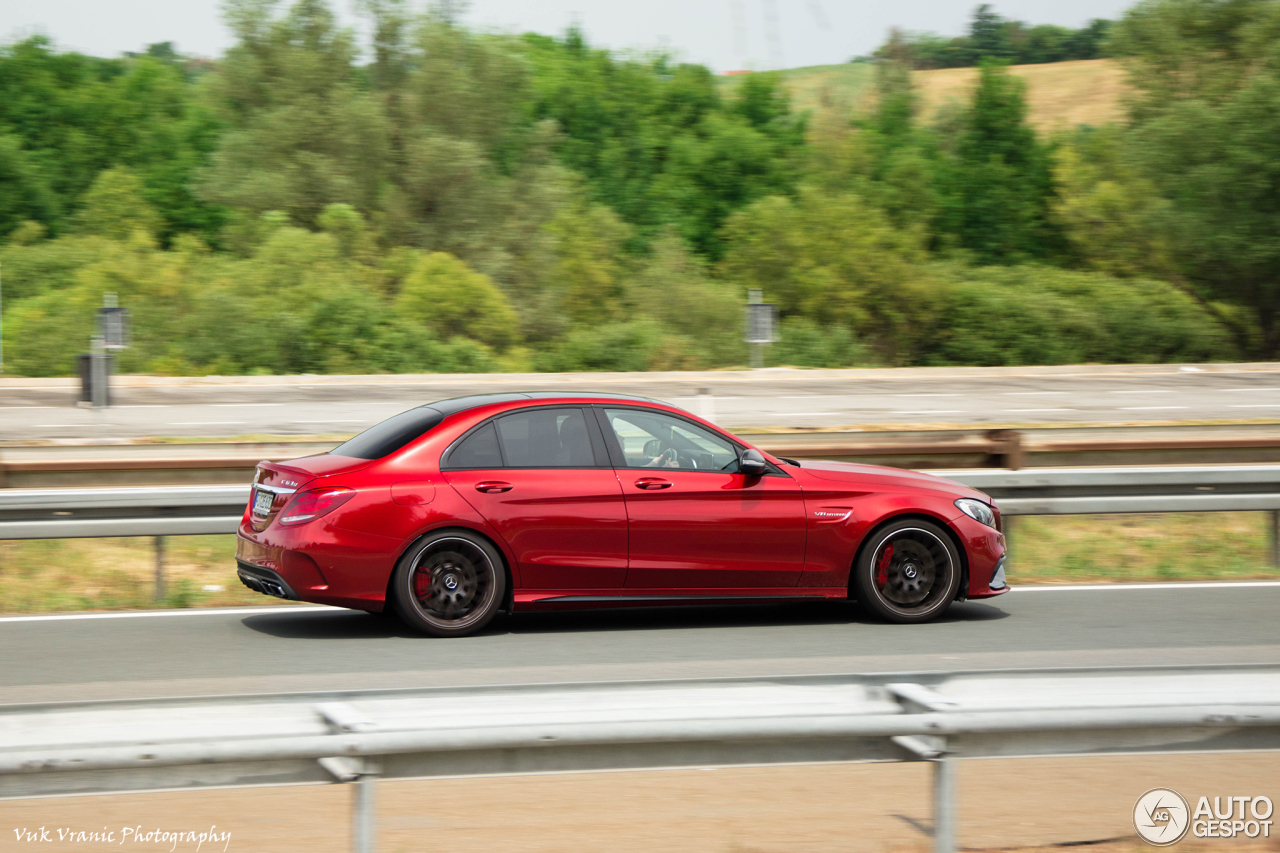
(723, 34)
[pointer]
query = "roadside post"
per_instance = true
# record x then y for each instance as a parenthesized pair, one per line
(112, 335)
(761, 326)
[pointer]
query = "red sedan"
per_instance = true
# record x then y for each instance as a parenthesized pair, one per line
(454, 511)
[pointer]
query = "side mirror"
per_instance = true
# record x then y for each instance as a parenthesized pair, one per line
(652, 448)
(752, 464)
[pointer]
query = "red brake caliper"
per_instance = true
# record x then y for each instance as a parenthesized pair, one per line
(421, 583)
(882, 568)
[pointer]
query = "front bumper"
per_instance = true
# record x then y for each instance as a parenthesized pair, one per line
(998, 583)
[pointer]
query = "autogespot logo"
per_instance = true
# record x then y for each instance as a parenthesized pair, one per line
(1161, 817)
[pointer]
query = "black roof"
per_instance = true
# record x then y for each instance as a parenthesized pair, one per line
(460, 404)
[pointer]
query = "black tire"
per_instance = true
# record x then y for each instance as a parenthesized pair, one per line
(449, 584)
(908, 572)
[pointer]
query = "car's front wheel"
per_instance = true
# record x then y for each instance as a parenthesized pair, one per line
(451, 583)
(909, 571)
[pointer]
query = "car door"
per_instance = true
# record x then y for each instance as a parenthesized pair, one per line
(695, 522)
(542, 480)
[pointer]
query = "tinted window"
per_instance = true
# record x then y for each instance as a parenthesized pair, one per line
(390, 435)
(478, 450)
(652, 440)
(546, 438)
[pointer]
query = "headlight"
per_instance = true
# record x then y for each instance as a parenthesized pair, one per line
(977, 510)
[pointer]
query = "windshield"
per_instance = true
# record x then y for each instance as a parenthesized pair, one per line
(390, 435)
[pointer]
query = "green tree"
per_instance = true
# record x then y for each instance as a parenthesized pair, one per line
(73, 116)
(1207, 135)
(114, 207)
(24, 193)
(448, 297)
(834, 259)
(998, 187)
(658, 142)
(301, 133)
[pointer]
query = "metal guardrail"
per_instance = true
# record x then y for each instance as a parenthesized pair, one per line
(51, 467)
(74, 749)
(179, 510)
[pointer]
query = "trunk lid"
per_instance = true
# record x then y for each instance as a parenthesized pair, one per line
(274, 483)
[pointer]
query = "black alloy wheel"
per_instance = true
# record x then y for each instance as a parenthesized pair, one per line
(909, 571)
(450, 584)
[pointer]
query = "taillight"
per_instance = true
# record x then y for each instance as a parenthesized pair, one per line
(308, 506)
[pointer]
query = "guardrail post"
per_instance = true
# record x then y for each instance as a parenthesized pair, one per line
(944, 804)
(363, 824)
(1275, 538)
(160, 568)
(364, 813)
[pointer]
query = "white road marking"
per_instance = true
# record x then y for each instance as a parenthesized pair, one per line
(929, 412)
(1185, 585)
(203, 423)
(1151, 408)
(926, 395)
(61, 426)
(1031, 393)
(139, 614)
(1011, 411)
(1146, 391)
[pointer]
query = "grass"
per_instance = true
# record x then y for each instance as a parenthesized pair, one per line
(1059, 94)
(47, 575)
(1118, 548)
(41, 576)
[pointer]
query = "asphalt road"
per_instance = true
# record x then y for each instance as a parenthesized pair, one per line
(966, 397)
(130, 656)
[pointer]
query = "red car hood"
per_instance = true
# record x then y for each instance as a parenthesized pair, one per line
(875, 475)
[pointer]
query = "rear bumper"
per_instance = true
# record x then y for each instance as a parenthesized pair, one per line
(317, 563)
(265, 581)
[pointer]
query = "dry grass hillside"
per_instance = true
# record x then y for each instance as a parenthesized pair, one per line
(1059, 95)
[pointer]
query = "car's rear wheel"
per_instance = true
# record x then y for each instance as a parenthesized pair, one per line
(908, 572)
(449, 584)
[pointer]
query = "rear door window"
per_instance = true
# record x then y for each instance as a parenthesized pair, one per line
(546, 438)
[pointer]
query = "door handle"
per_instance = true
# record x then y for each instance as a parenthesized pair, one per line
(490, 487)
(652, 483)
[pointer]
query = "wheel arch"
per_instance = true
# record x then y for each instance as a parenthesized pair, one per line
(963, 590)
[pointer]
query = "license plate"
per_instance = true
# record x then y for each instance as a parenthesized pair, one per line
(262, 502)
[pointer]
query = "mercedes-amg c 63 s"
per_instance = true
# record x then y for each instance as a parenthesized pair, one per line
(453, 511)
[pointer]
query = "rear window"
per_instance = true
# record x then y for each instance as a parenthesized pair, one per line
(390, 435)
